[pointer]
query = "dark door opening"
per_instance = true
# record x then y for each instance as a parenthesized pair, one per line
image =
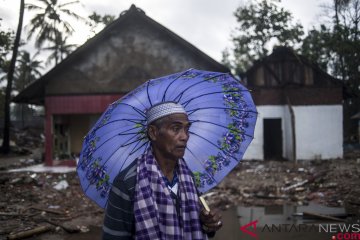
(272, 139)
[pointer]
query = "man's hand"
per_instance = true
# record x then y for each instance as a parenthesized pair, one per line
(211, 221)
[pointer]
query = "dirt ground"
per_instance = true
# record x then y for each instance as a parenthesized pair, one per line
(30, 201)
(333, 183)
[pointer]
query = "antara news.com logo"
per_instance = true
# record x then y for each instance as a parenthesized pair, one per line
(338, 231)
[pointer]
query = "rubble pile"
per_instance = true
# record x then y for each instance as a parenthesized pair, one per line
(32, 203)
(334, 183)
(27, 140)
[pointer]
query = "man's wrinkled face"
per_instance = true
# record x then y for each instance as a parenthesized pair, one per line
(171, 135)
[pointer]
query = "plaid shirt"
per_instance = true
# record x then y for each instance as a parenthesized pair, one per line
(169, 222)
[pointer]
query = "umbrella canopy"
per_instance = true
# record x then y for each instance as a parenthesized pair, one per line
(222, 116)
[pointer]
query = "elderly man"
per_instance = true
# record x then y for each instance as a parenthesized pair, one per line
(155, 197)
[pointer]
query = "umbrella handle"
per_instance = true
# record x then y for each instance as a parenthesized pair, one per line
(204, 204)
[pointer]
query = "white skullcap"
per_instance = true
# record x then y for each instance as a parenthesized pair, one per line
(163, 109)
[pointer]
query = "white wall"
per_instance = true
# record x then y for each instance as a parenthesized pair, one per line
(319, 132)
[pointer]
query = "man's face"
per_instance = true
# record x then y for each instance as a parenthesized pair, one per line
(171, 136)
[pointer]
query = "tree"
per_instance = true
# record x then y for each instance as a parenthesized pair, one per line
(50, 20)
(59, 48)
(96, 19)
(27, 71)
(6, 134)
(345, 48)
(6, 44)
(97, 22)
(338, 43)
(225, 58)
(262, 25)
(315, 46)
(336, 47)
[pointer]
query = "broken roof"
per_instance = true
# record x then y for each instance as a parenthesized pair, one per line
(35, 92)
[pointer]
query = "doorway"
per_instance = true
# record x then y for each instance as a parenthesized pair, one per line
(273, 139)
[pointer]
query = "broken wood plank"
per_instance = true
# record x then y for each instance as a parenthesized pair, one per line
(320, 216)
(69, 229)
(270, 196)
(302, 183)
(10, 214)
(48, 210)
(299, 184)
(336, 215)
(29, 233)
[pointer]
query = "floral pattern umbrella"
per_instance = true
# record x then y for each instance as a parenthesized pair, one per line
(222, 116)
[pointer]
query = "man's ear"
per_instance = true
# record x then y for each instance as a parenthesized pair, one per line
(153, 132)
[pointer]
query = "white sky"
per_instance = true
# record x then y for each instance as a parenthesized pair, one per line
(207, 24)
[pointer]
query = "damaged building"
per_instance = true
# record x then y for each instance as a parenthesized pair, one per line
(132, 49)
(300, 106)
(300, 109)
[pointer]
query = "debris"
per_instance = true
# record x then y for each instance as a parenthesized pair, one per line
(295, 185)
(302, 183)
(300, 189)
(270, 196)
(48, 210)
(31, 198)
(260, 183)
(9, 214)
(310, 216)
(27, 161)
(315, 195)
(29, 233)
(54, 207)
(320, 216)
(28, 198)
(16, 180)
(63, 184)
(84, 229)
(69, 228)
(330, 185)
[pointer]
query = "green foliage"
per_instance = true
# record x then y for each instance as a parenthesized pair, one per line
(336, 47)
(2, 102)
(59, 48)
(225, 60)
(6, 44)
(333, 45)
(27, 70)
(49, 21)
(5, 148)
(262, 24)
(315, 46)
(99, 21)
(97, 18)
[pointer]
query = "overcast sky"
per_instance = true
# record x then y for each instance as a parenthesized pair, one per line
(207, 24)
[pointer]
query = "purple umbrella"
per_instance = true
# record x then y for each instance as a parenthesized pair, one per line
(222, 115)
